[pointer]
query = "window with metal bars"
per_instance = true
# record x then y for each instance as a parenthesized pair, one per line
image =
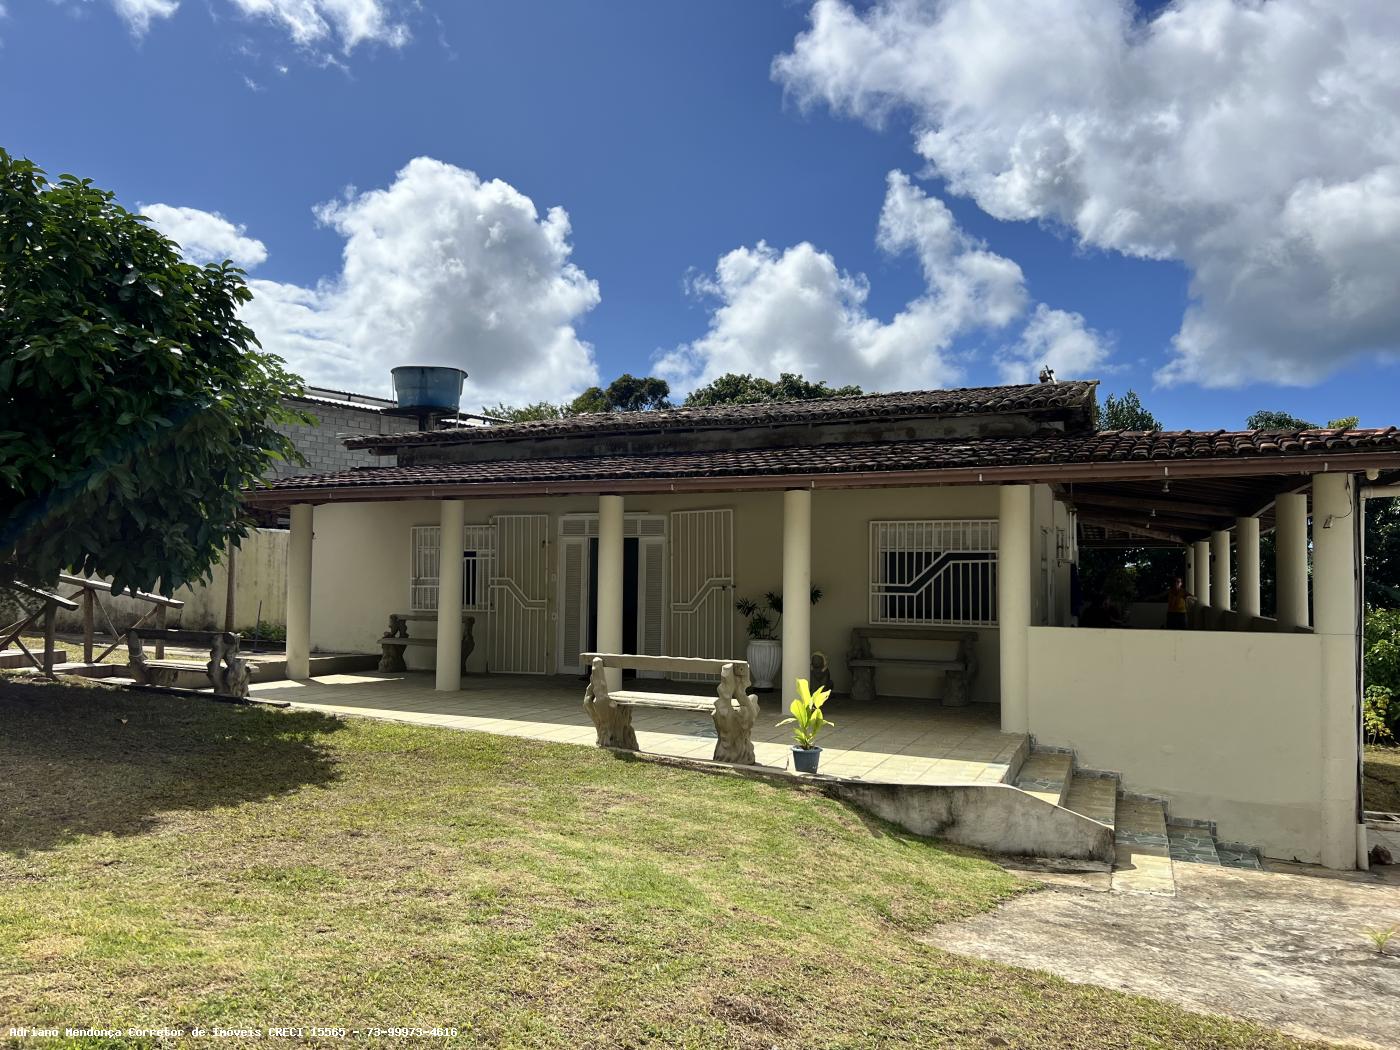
(478, 551)
(933, 573)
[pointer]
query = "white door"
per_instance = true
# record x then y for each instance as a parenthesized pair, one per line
(577, 532)
(702, 583)
(520, 595)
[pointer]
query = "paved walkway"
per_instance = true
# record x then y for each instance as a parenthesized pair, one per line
(1285, 948)
(902, 741)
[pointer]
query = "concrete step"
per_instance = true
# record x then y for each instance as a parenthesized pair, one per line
(1143, 847)
(1046, 775)
(13, 658)
(1094, 797)
(1192, 844)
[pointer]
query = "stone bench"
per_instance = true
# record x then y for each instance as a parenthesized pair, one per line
(226, 670)
(395, 640)
(959, 670)
(733, 707)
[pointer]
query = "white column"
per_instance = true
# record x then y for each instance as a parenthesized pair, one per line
(1014, 605)
(1200, 587)
(1291, 559)
(1247, 550)
(797, 592)
(1188, 577)
(1220, 570)
(1335, 610)
(453, 516)
(299, 593)
(610, 571)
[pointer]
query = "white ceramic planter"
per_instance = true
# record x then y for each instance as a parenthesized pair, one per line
(765, 662)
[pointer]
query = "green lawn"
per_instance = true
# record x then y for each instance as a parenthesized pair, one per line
(1382, 787)
(175, 862)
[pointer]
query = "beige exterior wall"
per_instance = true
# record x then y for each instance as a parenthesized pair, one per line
(260, 580)
(362, 563)
(1224, 725)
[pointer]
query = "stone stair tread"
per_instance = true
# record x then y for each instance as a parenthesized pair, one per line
(1192, 844)
(1093, 797)
(1143, 861)
(1046, 775)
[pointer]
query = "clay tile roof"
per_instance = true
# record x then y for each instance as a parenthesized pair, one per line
(1032, 397)
(1272, 448)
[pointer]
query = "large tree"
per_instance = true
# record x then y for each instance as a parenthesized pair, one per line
(735, 388)
(1126, 413)
(134, 403)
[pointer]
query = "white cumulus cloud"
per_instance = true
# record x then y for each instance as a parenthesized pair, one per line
(796, 310)
(439, 268)
(205, 236)
(1256, 143)
(309, 23)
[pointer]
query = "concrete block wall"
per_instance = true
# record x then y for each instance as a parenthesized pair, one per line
(323, 443)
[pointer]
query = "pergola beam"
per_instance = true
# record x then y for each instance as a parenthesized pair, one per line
(1165, 501)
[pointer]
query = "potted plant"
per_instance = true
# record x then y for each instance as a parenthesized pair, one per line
(765, 650)
(807, 721)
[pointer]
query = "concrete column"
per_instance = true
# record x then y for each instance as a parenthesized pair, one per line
(453, 516)
(1014, 605)
(299, 593)
(1220, 570)
(610, 571)
(1200, 587)
(1247, 550)
(1335, 606)
(1291, 559)
(797, 592)
(1189, 576)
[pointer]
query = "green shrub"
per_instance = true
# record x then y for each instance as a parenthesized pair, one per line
(1381, 710)
(266, 632)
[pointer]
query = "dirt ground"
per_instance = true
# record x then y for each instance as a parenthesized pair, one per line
(1286, 949)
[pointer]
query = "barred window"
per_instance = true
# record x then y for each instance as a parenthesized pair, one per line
(933, 573)
(478, 550)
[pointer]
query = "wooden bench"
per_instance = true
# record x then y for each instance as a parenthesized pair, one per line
(395, 640)
(959, 670)
(228, 672)
(733, 707)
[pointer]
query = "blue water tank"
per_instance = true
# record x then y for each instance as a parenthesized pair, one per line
(428, 387)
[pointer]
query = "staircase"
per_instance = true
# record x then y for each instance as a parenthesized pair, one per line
(1148, 844)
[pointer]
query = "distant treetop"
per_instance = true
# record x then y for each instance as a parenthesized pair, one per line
(1126, 413)
(743, 389)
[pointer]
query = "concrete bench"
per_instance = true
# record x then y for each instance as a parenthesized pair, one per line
(733, 707)
(395, 640)
(956, 659)
(226, 670)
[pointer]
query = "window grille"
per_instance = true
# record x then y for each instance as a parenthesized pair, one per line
(478, 551)
(933, 573)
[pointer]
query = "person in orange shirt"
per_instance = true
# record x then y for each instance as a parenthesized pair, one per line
(1177, 596)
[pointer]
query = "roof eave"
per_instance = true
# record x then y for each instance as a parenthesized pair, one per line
(1037, 473)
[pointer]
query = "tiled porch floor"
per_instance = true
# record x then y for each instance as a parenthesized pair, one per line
(901, 741)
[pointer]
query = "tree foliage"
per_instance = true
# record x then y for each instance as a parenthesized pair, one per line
(626, 393)
(736, 388)
(1126, 413)
(134, 404)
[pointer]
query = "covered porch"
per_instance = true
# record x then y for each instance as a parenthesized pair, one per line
(892, 741)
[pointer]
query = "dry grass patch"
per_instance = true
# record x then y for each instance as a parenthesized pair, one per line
(1382, 788)
(178, 862)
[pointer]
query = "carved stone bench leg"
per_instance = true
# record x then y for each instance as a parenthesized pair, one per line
(735, 711)
(955, 689)
(391, 659)
(614, 724)
(862, 683)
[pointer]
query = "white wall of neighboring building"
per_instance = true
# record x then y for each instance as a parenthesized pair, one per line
(362, 555)
(260, 581)
(1225, 725)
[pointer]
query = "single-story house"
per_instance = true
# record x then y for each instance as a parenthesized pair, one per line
(953, 509)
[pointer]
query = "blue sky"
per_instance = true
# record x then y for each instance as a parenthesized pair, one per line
(665, 135)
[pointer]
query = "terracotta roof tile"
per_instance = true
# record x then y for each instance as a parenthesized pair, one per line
(1033, 397)
(942, 454)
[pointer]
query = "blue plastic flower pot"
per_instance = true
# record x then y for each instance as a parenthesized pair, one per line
(805, 759)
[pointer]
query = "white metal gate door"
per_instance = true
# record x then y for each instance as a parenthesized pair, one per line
(702, 583)
(520, 595)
